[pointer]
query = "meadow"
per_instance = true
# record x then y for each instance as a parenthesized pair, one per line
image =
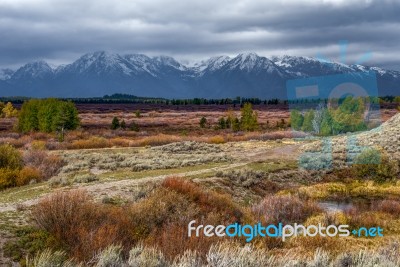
(124, 196)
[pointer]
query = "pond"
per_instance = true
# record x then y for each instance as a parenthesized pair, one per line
(337, 206)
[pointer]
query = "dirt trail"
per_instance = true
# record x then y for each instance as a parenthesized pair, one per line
(116, 187)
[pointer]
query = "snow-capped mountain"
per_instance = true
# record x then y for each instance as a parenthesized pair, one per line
(6, 74)
(247, 75)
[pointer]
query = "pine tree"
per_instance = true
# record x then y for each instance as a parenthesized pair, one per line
(236, 125)
(115, 123)
(307, 123)
(123, 124)
(296, 120)
(203, 122)
(222, 123)
(248, 120)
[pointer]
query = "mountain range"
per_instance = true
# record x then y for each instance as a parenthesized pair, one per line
(247, 75)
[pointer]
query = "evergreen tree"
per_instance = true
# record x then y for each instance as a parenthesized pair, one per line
(236, 125)
(248, 120)
(326, 124)
(134, 127)
(203, 122)
(115, 123)
(296, 120)
(123, 124)
(307, 123)
(222, 123)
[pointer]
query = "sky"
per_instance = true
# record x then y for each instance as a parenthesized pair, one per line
(60, 31)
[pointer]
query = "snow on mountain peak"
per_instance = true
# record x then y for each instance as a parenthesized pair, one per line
(35, 69)
(6, 74)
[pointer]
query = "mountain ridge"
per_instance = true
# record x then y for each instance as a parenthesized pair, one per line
(247, 74)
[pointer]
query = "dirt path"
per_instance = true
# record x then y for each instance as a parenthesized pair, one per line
(117, 187)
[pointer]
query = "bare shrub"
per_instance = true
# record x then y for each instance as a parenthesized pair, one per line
(244, 177)
(49, 165)
(387, 206)
(285, 209)
(83, 226)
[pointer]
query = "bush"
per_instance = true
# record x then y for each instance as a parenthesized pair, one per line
(10, 158)
(27, 175)
(8, 178)
(81, 225)
(110, 257)
(147, 257)
(387, 206)
(48, 258)
(371, 163)
(285, 209)
(48, 165)
(92, 142)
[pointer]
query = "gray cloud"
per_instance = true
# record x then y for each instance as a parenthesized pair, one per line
(60, 31)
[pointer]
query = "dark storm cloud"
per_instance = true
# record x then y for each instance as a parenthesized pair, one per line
(60, 31)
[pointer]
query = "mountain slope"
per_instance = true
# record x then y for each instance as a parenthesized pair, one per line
(247, 75)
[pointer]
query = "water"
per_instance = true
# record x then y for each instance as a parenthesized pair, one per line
(335, 206)
(341, 206)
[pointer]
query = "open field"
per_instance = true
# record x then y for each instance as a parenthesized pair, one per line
(125, 198)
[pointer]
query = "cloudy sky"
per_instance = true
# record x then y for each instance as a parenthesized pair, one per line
(60, 31)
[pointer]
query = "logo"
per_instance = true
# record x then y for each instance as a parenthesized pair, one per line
(341, 103)
(280, 231)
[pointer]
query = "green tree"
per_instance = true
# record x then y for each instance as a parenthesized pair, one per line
(248, 120)
(1, 109)
(221, 123)
(115, 123)
(326, 124)
(203, 122)
(47, 115)
(308, 119)
(349, 115)
(123, 124)
(296, 120)
(9, 111)
(397, 100)
(134, 127)
(236, 125)
(138, 114)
